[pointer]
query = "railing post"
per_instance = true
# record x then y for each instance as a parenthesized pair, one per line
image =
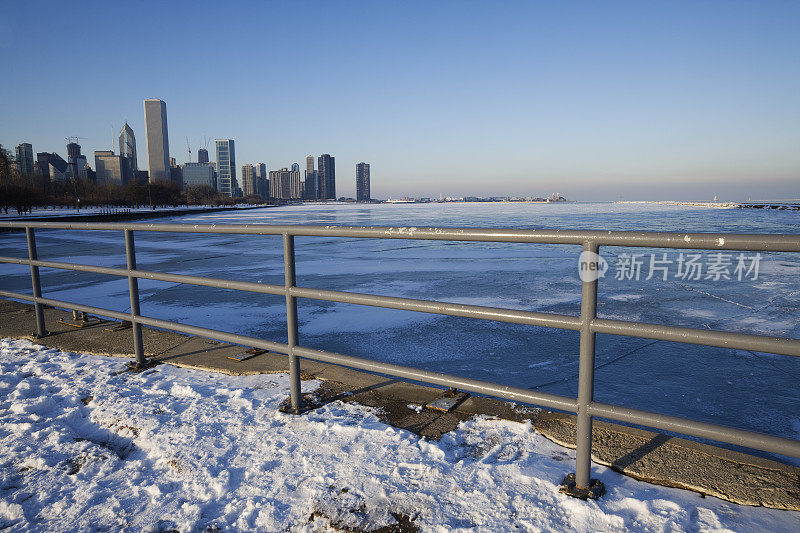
(133, 289)
(581, 485)
(36, 285)
(291, 322)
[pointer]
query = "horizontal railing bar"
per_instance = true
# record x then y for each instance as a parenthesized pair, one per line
(705, 241)
(498, 314)
(715, 432)
(729, 435)
(720, 339)
(481, 387)
(264, 288)
(423, 306)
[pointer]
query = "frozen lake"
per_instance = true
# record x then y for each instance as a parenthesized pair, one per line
(740, 388)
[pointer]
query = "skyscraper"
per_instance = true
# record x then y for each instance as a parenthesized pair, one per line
(127, 150)
(202, 155)
(312, 187)
(76, 161)
(262, 180)
(226, 167)
(24, 154)
(284, 184)
(248, 180)
(362, 182)
(155, 120)
(326, 168)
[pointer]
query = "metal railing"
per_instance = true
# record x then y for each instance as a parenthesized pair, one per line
(587, 323)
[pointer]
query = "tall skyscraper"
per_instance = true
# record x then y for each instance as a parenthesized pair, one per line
(202, 155)
(127, 148)
(312, 187)
(76, 161)
(262, 179)
(248, 180)
(24, 154)
(362, 182)
(326, 168)
(226, 167)
(155, 120)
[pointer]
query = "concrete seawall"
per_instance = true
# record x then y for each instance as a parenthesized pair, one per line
(644, 455)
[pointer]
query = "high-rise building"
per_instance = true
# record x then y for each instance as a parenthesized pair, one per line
(284, 184)
(248, 180)
(202, 155)
(76, 161)
(195, 174)
(155, 120)
(312, 187)
(295, 167)
(127, 149)
(53, 166)
(326, 168)
(226, 167)
(24, 154)
(362, 182)
(110, 168)
(262, 179)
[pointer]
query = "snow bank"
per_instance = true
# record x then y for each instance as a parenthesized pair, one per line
(86, 447)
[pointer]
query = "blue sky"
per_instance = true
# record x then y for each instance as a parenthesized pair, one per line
(595, 100)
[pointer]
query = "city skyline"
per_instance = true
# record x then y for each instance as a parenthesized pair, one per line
(625, 100)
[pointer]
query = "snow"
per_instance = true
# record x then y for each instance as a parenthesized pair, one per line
(88, 447)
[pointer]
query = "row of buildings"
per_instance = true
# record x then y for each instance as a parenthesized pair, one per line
(284, 184)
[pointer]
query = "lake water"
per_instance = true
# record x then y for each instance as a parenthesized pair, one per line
(740, 388)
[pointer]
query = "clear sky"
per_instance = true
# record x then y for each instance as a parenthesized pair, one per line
(595, 100)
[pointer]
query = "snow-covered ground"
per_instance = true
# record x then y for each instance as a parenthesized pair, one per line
(87, 448)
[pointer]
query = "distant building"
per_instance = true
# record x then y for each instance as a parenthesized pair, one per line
(110, 168)
(226, 167)
(76, 161)
(248, 180)
(311, 180)
(195, 174)
(284, 184)
(295, 167)
(202, 155)
(362, 182)
(175, 172)
(127, 149)
(24, 153)
(53, 166)
(155, 120)
(262, 179)
(326, 168)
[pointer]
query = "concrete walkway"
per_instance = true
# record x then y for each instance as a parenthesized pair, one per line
(643, 455)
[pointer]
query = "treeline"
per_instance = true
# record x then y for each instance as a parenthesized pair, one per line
(26, 192)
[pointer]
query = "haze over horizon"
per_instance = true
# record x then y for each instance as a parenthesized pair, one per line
(622, 100)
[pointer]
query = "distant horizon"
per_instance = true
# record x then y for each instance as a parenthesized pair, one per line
(612, 101)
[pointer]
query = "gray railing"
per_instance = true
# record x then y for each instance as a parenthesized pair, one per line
(587, 323)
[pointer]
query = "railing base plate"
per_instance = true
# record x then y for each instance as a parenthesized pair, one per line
(135, 366)
(595, 491)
